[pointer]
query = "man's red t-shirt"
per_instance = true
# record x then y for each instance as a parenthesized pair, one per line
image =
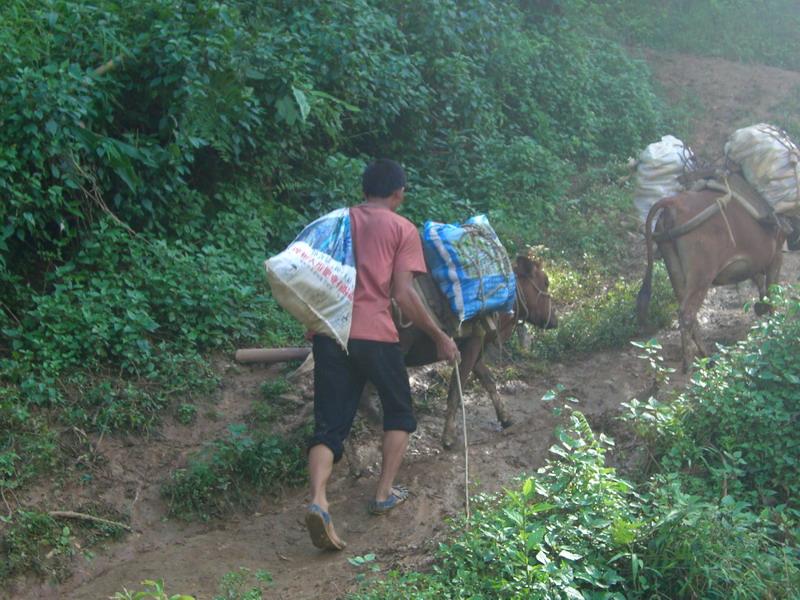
(384, 244)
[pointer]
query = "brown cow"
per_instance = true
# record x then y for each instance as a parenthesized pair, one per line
(704, 246)
(533, 305)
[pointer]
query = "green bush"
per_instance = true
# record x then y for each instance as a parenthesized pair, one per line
(698, 547)
(32, 540)
(233, 469)
(735, 424)
(566, 533)
(599, 320)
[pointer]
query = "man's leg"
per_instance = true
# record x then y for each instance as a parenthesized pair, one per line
(383, 364)
(320, 467)
(337, 390)
(395, 443)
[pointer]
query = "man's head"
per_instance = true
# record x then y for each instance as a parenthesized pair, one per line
(384, 179)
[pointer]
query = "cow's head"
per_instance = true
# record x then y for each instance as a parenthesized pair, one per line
(534, 304)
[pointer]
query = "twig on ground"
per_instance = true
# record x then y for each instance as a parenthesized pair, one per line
(68, 514)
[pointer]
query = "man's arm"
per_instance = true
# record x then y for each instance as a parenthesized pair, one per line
(413, 309)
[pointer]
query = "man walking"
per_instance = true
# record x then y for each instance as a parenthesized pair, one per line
(388, 255)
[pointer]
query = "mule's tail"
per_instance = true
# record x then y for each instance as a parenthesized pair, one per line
(643, 299)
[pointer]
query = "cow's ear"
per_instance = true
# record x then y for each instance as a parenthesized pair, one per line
(525, 266)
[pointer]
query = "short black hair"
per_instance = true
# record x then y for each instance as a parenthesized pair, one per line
(382, 178)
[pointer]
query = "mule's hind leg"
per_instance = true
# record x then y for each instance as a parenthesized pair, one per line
(486, 379)
(771, 277)
(470, 352)
(687, 315)
(760, 281)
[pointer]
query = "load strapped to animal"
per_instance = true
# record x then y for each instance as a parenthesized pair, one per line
(659, 172)
(762, 174)
(470, 266)
(770, 162)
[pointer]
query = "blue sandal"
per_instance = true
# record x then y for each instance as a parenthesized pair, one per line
(320, 528)
(397, 496)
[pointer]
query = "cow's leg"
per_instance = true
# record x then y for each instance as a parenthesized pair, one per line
(485, 376)
(470, 352)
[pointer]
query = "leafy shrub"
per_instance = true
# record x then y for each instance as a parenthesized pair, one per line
(27, 444)
(600, 321)
(230, 470)
(243, 584)
(32, 540)
(734, 425)
(703, 548)
(35, 541)
(577, 530)
(566, 532)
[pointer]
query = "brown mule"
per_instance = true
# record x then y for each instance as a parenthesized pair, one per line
(705, 244)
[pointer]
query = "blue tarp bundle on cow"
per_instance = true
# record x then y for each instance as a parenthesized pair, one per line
(471, 267)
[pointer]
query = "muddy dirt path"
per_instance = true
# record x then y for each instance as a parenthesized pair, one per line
(193, 557)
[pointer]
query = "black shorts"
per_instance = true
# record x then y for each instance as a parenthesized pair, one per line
(339, 380)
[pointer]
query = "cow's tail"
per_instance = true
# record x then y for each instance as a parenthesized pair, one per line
(643, 299)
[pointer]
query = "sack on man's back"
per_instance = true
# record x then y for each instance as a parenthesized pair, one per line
(770, 162)
(314, 279)
(471, 267)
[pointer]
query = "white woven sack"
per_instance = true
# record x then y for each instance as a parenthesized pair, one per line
(315, 287)
(770, 162)
(657, 175)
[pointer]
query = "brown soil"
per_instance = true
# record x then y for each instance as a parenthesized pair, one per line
(128, 471)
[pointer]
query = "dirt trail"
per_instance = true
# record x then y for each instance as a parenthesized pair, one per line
(192, 558)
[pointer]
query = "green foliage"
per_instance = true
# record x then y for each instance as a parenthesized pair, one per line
(565, 533)
(577, 530)
(27, 444)
(155, 591)
(603, 319)
(703, 548)
(230, 470)
(186, 413)
(36, 541)
(273, 388)
(735, 424)
(761, 32)
(242, 584)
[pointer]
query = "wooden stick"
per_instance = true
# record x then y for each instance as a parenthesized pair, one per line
(68, 514)
(466, 444)
(271, 355)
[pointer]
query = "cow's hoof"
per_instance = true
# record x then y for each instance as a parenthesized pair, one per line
(506, 423)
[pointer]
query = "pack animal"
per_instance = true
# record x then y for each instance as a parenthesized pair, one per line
(533, 305)
(706, 242)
